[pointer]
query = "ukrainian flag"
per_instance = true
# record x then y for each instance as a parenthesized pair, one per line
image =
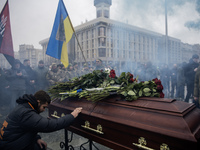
(61, 34)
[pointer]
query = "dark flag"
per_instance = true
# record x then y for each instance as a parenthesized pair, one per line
(6, 44)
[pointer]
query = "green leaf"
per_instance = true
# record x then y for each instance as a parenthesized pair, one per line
(146, 90)
(140, 93)
(112, 82)
(124, 93)
(131, 93)
(147, 94)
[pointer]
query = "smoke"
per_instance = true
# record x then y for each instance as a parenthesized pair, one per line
(195, 25)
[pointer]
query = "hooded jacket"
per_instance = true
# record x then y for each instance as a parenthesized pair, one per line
(20, 128)
(189, 72)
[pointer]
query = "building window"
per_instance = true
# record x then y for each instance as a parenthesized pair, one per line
(82, 36)
(99, 13)
(107, 55)
(117, 43)
(124, 54)
(106, 13)
(92, 43)
(92, 53)
(102, 52)
(124, 44)
(117, 53)
(111, 53)
(102, 31)
(111, 44)
(87, 53)
(93, 33)
(102, 41)
(87, 34)
(87, 44)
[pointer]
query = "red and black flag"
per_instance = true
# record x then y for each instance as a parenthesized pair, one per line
(6, 44)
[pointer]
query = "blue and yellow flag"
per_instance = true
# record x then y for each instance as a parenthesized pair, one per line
(61, 34)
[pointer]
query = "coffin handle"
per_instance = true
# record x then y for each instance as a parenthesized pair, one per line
(142, 144)
(87, 126)
(55, 114)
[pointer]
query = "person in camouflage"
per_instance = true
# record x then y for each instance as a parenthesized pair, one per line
(70, 73)
(99, 65)
(77, 71)
(85, 69)
(55, 75)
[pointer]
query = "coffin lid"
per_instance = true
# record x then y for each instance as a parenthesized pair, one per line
(160, 115)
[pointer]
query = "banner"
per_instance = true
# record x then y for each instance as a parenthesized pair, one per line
(6, 44)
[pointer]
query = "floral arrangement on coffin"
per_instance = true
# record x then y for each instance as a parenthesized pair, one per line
(100, 84)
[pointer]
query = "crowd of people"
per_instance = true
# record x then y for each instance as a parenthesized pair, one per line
(178, 81)
(27, 87)
(22, 79)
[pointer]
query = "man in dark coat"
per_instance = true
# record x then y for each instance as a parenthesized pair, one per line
(17, 78)
(31, 77)
(190, 71)
(19, 130)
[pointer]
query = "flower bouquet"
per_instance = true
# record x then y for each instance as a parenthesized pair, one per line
(100, 84)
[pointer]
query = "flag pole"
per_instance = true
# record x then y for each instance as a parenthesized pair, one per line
(78, 41)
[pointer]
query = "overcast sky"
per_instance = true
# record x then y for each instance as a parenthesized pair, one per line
(32, 20)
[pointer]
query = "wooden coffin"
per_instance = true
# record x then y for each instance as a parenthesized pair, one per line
(147, 123)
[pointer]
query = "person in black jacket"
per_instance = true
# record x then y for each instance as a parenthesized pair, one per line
(17, 78)
(190, 71)
(19, 130)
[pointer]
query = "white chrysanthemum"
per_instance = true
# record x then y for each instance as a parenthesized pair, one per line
(107, 70)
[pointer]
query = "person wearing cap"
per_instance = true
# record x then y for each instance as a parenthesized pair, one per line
(20, 129)
(41, 72)
(190, 71)
(99, 65)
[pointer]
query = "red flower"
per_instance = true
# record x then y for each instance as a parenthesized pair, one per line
(112, 74)
(131, 75)
(158, 82)
(132, 80)
(162, 95)
(156, 79)
(159, 88)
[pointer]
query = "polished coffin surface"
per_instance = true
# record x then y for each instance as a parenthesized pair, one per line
(148, 123)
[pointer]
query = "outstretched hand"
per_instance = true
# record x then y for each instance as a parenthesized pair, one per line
(42, 144)
(76, 111)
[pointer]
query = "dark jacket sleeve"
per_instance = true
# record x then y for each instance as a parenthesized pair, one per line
(33, 121)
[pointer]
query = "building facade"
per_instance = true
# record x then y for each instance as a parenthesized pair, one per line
(114, 42)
